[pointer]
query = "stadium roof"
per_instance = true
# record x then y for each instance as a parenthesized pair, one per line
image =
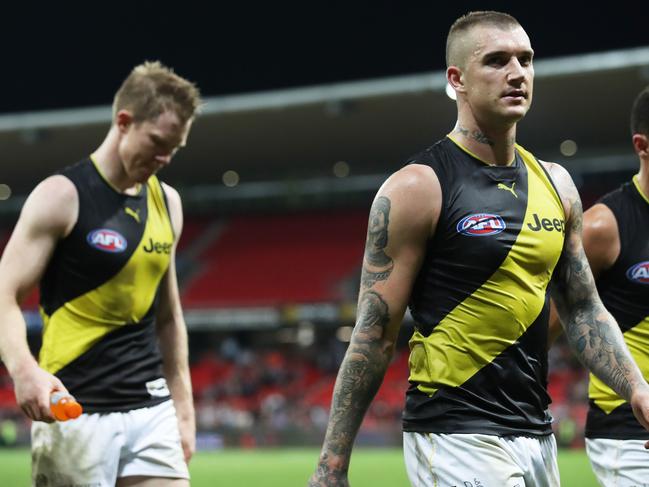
(372, 125)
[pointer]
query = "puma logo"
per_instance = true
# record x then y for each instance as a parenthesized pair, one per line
(507, 188)
(133, 213)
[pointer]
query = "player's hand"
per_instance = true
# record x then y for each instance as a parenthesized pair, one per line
(640, 405)
(187, 430)
(338, 479)
(33, 387)
(329, 473)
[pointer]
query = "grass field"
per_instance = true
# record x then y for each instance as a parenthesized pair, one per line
(291, 468)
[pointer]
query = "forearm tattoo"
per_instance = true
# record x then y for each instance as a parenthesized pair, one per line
(377, 265)
(590, 329)
(359, 378)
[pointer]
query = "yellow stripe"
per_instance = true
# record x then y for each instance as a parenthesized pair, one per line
(125, 299)
(637, 339)
(636, 181)
(138, 186)
(472, 154)
(492, 318)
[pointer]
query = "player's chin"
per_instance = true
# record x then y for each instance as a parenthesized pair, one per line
(515, 113)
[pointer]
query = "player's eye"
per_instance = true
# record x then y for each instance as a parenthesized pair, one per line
(496, 61)
(525, 60)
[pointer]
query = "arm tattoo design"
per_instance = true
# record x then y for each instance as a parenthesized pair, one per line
(377, 265)
(590, 329)
(359, 378)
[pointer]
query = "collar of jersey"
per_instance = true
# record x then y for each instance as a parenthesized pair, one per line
(101, 174)
(475, 156)
(636, 181)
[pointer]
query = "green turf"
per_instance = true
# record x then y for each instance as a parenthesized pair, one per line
(287, 468)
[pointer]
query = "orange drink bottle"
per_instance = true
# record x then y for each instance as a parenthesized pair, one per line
(64, 406)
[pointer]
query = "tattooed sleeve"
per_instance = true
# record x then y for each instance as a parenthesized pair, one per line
(367, 358)
(591, 330)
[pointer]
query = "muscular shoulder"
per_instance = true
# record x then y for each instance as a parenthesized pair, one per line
(415, 194)
(601, 237)
(175, 208)
(565, 186)
(601, 221)
(415, 184)
(53, 206)
(561, 179)
(416, 177)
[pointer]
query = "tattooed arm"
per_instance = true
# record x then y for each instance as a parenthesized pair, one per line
(601, 241)
(402, 217)
(590, 329)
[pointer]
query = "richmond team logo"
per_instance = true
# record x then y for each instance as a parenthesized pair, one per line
(107, 240)
(481, 225)
(639, 273)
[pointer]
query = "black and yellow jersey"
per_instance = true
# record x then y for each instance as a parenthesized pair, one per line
(624, 289)
(478, 359)
(99, 294)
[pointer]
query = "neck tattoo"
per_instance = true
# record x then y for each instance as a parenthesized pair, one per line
(475, 135)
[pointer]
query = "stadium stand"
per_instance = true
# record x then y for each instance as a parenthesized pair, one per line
(275, 259)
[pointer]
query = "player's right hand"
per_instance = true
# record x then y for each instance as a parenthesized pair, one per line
(332, 479)
(33, 387)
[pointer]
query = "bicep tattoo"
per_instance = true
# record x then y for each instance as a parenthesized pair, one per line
(377, 265)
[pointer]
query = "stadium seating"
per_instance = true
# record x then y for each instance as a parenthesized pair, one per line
(274, 259)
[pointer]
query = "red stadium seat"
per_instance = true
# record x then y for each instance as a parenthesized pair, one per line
(276, 259)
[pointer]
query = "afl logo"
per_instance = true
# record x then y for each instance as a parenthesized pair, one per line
(107, 240)
(639, 273)
(481, 225)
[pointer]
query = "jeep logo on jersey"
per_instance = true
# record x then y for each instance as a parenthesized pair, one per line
(639, 273)
(480, 225)
(107, 240)
(157, 247)
(546, 224)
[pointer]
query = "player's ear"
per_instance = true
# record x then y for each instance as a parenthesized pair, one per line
(641, 144)
(455, 79)
(123, 120)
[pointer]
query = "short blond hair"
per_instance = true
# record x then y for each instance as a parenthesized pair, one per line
(466, 22)
(152, 89)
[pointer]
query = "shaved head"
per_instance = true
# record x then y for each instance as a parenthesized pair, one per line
(459, 44)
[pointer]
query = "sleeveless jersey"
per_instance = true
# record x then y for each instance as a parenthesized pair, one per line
(478, 359)
(99, 295)
(624, 289)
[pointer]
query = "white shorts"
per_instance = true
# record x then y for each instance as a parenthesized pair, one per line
(96, 449)
(474, 460)
(621, 463)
